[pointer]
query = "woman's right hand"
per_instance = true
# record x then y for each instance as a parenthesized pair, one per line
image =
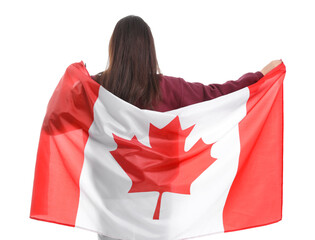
(270, 66)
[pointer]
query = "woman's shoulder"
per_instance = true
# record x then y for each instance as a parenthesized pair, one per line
(171, 92)
(171, 80)
(172, 84)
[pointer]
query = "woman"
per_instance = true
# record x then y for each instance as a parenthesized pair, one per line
(133, 73)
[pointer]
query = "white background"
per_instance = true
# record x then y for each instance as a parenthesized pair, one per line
(200, 41)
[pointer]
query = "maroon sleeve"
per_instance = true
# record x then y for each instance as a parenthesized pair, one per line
(194, 92)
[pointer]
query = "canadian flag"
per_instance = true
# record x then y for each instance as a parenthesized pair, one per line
(128, 173)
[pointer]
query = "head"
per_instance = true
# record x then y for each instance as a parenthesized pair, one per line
(132, 72)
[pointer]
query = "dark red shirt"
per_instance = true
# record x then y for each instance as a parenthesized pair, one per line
(176, 92)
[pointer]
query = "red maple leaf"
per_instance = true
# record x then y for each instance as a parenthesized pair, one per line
(165, 166)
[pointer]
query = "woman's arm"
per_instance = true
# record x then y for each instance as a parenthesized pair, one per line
(194, 92)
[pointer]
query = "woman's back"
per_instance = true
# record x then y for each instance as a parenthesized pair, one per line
(176, 92)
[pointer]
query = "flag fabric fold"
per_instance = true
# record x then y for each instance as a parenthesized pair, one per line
(128, 173)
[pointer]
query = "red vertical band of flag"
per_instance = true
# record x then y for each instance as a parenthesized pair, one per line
(255, 197)
(60, 153)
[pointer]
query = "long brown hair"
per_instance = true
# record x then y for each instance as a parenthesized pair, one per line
(133, 73)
